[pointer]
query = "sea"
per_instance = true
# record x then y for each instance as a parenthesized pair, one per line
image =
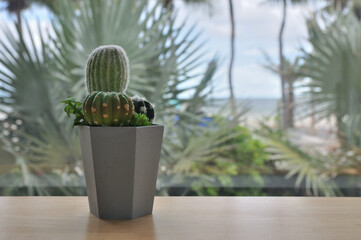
(253, 107)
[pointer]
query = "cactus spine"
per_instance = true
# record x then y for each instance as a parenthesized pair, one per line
(142, 106)
(111, 109)
(107, 70)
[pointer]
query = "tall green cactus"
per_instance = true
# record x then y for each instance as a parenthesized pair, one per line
(107, 70)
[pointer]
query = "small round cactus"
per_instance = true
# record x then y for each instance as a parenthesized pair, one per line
(107, 70)
(143, 106)
(108, 108)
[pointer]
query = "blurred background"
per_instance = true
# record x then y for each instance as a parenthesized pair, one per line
(259, 98)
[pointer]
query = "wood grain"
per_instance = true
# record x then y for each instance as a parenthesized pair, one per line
(186, 218)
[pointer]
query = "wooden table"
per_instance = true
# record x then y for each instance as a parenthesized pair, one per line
(186, 218)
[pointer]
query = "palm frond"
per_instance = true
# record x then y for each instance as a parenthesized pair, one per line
(161, 55)
(333, 67)
(29, 94)
(310, 170)
(196, 144)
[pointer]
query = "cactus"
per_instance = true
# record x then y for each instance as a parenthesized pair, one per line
(111, 109)
(143, 106)
(107, 70)
(107, 77)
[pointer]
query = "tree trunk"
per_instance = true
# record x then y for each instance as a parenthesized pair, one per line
(291, 104)
(232, 97)
(285, 120)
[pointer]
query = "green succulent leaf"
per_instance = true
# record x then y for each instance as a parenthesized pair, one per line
(139, 119)
(73, 107)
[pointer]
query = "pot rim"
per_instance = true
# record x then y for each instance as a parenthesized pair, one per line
(118, 127)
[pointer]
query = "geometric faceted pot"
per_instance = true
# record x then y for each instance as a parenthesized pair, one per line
(121, 165)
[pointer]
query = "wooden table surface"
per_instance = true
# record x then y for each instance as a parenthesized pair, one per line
(186, 218)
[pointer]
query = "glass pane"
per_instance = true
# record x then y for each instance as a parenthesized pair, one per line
(258, 98)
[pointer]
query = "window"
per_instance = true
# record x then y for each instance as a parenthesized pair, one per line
(258, 97)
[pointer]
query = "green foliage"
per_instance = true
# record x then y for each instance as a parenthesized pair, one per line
(311, 170)
(197, 144)
(72, 107)
(249, 151)
(333, 66)
(29, 94)
(139, 119)
(208, 156)
(247, 157)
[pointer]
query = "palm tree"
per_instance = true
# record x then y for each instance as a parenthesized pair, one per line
(333, 67)
(287, 106)
(16, 6)
(285, 101)
(340, 5)
(291, 70)
(230, 68)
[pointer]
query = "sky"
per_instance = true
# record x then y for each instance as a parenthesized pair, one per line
(257, 24)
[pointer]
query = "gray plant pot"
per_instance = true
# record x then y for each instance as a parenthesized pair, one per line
(121, 165)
